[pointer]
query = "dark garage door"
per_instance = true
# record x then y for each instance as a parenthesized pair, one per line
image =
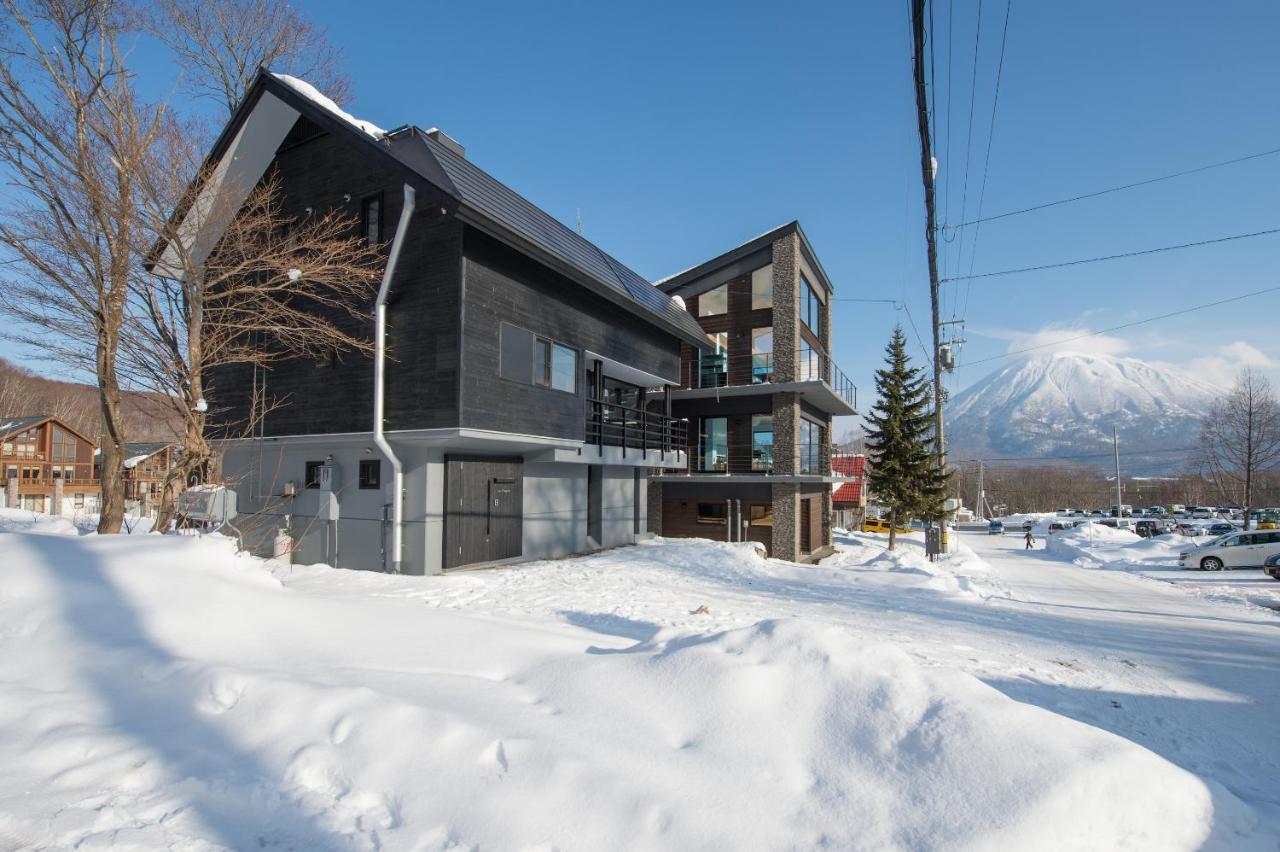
(484, 509)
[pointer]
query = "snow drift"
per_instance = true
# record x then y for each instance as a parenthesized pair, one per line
(164, 692)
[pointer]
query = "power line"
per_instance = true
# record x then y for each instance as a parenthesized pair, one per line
(1064, 263)
(1191, 309)
(986, 164)
(927, 357)
(1047, 204)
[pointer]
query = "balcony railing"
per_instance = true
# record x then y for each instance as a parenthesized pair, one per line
(48, 482)
(613, 425)
(713, 370)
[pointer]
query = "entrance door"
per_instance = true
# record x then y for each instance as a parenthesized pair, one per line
(484, 509)
(806, 539)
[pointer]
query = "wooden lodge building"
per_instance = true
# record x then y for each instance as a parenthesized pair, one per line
(46, 466)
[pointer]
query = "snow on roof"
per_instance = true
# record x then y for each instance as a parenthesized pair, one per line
(134, 461)
(310, 92)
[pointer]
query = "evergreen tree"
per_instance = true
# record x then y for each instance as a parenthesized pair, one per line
(904, 472)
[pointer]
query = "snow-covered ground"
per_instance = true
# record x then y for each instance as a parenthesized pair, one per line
(1157, 559)
(163, 692)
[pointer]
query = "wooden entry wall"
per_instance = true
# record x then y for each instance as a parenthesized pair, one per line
(484, 509)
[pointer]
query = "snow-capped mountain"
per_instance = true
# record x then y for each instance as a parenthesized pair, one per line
(1064, 404)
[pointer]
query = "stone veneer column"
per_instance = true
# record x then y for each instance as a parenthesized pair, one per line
(786, 515)
(827, 519)
(653, 502)
(786, 311)
(57, 497)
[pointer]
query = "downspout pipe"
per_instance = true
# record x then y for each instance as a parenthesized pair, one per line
(379, 381)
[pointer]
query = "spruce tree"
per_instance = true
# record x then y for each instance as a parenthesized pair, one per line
(904, 471)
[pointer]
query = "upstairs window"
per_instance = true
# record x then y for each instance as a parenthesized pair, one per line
(714, 301)
(762, 288)
(64, 445)
(811, 435)
(371, 219)
(810, 307)
(527, 358)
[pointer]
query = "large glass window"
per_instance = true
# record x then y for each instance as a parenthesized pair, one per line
(810, 306)
(64, 445)
(525, 357)
(762, 442)
(761, 355)
(564, 368)
(714, 444)
(808, 365)
(810, 447)
(714, 301)
(713, 366)
(712, 513)
(762, 288)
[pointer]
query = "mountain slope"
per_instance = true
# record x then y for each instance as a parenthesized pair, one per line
(1065, 404)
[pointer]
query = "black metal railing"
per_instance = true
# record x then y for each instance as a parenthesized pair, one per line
(612, 425)
(719, 369)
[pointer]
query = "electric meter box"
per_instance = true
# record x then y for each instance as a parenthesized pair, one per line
(327, 477)
(208, 503)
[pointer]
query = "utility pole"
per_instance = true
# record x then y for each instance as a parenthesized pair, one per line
(982, 494)
(1115, 440)
(927, 173)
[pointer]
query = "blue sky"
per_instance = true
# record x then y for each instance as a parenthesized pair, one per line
(681, 129)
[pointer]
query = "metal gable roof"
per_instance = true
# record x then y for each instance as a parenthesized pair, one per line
(495, 200)
(9, 425)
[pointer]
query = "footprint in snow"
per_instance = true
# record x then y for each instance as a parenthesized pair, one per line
(341, 730)
(494, 755)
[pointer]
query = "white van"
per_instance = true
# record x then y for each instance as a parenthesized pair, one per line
(1203, 513)
(1233, 550)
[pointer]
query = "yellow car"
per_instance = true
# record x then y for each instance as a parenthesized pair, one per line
(880, 525)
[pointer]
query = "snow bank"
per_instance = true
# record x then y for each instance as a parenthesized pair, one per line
(21, 520)
(163, 692)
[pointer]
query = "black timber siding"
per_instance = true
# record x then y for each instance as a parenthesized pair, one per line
(499, 284)
(328, 172)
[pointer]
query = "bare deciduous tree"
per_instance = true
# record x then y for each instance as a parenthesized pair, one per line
(1240, 439)
(275, 287)
(75, 138)
(221, 44)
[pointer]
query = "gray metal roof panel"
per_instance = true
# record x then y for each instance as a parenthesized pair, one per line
(481, 191)
(9, 425)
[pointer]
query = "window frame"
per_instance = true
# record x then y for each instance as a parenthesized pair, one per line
(809, 452)
(372, 201)
(763, 274)
(704, 433)
(720, 517)
(542, 359)
(811, 307)
(364, 482)
(703, 310)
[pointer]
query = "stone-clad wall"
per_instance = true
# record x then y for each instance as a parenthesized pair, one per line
(654, 504)
(786, 272)
(786, 516)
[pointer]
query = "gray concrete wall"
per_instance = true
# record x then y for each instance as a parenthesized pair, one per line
(555, 504)
(259, 473)
(555, 509)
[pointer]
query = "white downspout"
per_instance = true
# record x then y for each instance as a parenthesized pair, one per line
(379, 375)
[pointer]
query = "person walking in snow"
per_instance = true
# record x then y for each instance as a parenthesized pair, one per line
(1031, 539)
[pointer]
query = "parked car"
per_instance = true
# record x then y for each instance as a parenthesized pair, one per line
(995, 528)
(1028, 525)
(1147, 529)
(1203, 513)
(1058, 526)
(881, 525)
(1234, 550)
(1272, 566)
(1221, 528)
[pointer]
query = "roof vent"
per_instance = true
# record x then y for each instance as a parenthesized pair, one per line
(447, 141)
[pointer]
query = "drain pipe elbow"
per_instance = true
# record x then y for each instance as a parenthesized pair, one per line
(379, 382)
